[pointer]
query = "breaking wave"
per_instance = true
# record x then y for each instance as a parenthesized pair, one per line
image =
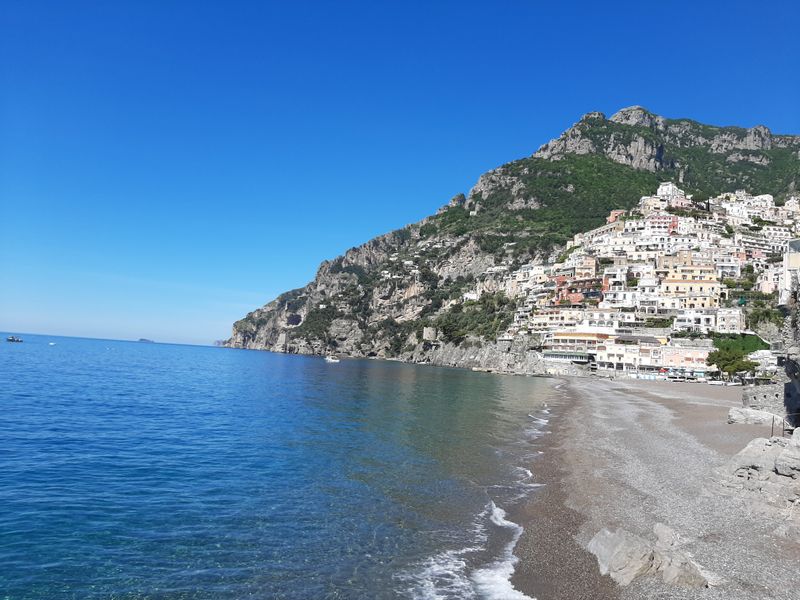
(483, 569)
(493, 582)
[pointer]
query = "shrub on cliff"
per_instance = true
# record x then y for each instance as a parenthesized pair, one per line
(484, 318)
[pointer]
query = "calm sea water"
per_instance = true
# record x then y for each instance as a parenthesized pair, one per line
(133, 470)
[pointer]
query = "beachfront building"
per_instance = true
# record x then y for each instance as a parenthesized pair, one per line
(578, 344)
(629, 354)
(650, 357)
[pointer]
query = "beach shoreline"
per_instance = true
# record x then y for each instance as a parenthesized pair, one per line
(548, 551)
(629, 454)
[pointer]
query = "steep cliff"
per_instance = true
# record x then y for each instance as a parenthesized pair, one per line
(401, 294)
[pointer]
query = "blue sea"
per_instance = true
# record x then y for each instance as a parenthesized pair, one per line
(136, 470)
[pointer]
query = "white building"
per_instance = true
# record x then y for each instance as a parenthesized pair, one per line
(730, 320)
(791, 269)
(699, 320)
(669, 191)
(719, 320)
(769, 280)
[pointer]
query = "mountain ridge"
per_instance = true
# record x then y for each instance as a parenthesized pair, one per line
(649, 137)
(377, 298)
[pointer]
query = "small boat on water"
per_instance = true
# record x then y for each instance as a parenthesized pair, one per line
(331, 359)
(13, 338)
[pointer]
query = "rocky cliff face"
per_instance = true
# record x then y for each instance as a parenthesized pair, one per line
(380, 298)
(639, 139)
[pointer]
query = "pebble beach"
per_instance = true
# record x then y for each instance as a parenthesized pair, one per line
(631, 454)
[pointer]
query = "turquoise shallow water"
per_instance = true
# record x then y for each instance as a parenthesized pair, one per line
(133, 470)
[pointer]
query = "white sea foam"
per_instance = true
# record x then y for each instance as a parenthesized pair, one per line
(493, 582)
(445, 576)
(442, 577)
(534, 434)
(539, 420)
(452, 574)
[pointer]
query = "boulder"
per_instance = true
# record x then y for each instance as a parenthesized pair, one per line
(754, 465)
(788, 462)
(622, 555)
(675, 565)
(750, 416)
(625, 556)
(757, 459)
(767, 471)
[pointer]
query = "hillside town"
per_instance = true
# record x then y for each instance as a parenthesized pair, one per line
(681, 287)
(644, 294)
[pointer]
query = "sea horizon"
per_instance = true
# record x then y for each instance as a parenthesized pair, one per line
(7, 332)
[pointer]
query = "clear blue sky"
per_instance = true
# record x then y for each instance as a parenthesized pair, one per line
(165, 167)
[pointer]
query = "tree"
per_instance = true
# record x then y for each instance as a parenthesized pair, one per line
(731, 361)
(741, 366)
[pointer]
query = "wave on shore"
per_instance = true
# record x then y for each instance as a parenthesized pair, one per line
(483, 569)
(448, 575)
(493, 582)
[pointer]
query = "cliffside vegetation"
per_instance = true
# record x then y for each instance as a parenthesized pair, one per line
(706, 159)
(574, 195)
(484, 319)
(731, 353)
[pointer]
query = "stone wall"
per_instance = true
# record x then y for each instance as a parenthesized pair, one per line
(765, 397)
(783, 397)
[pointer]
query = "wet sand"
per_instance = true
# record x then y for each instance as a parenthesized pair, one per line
(631, 454)
(553, 565)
